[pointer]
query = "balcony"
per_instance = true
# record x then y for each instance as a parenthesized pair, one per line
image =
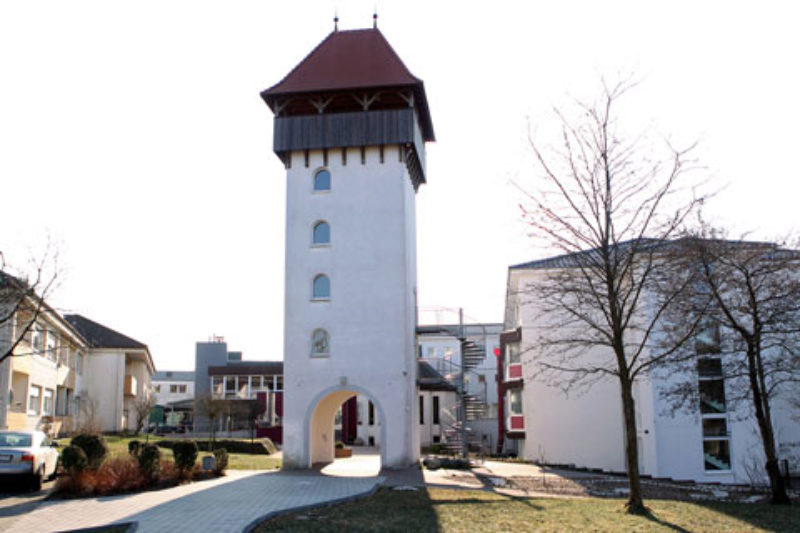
(129, 387)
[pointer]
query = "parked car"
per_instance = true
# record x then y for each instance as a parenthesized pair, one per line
(28, 455)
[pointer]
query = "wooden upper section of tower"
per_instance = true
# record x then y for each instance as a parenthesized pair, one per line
(351, 71)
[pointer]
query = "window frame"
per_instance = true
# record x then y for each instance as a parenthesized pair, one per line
(321, 298)
(327, 335)
(320, 244)
(707, 376)
(314, 177)
(38, 395)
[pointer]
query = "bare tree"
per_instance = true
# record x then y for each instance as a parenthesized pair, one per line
(212, 408)
(142, 407)
(608, 202)
(754, 322)
(23, 299)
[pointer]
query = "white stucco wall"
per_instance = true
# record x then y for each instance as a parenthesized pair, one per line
(371, 263)
(103, 384)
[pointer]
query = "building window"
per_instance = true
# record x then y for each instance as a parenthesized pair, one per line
(47, 404)
(512, 354)
(322, 180)
(371, 414)
(320, 342)
(34, 400)
(278, 383)
(217, 385)
(37, 341)
(435, 410)
(713, 411)
(515, 402)
(321, 234)
(421, 409)
(322, 287)
(51, 345)
(156, 388)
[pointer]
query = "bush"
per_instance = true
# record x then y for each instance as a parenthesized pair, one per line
(119, 474)
(220, 461)
(74, 459)
(150, 462)
(134, 447)
(185, 452)
(259, 447)
(339, 445)
(95, 448)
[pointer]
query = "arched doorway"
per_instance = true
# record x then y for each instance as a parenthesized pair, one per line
(323, 431)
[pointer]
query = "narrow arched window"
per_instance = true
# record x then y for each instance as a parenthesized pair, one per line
(321, 233)
(322, 287)
(322, 180)
(320, 342)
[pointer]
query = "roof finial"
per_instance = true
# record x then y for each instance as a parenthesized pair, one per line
(375, 18)
(335, 20)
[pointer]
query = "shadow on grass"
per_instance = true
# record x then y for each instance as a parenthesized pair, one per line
(767, 516)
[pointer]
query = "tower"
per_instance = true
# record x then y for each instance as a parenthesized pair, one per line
(350, 126)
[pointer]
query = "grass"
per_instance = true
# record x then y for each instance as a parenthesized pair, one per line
(461, 510)
(236, 461)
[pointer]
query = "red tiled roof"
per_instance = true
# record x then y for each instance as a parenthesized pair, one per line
(347, 60)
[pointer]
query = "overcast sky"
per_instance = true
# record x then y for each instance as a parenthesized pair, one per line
(133, 135)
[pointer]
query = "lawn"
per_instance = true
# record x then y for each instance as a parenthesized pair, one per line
(236, 461)
(462, 510)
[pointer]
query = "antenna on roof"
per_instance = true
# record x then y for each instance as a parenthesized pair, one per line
(336, 20)
(375, 18)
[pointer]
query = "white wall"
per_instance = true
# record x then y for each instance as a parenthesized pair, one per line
(371, 263)
(103, 385)
(164, 396)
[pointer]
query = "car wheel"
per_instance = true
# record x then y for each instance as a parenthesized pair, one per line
(55, 472)
(36, 480)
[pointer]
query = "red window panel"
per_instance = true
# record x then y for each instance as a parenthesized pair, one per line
(517, 422)
(514, 371)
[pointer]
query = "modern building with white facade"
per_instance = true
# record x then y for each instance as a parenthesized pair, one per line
(171, 386)
(116, 374)
(350, 126)
(441, 346)
(712, 442)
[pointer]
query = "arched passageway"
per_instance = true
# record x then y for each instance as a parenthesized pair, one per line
(353, 417)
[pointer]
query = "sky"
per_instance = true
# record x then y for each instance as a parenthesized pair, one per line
(133, 137)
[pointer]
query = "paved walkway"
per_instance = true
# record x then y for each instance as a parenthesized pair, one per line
(227, 504)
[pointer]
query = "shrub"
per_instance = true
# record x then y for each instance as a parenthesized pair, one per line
(150, 462)
(259, 447)
(74, 460)
(95, 448)
(220, 461)
(134, 447)
(119, 474)
(339, 445)
(185, 452)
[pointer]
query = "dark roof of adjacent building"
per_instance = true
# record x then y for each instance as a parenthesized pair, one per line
(100, 336)
(173, 375)
(347, 60)
(242, 368)
(429, 379)
(644, 245)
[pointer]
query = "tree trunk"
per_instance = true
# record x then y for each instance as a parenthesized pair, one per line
(761, 404)
(635, 504)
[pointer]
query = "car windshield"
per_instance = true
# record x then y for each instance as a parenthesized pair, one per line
(10, 440)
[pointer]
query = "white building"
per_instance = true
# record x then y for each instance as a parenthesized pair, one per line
(585, 428)
(440, 346)
(351, 123)
(172, 386)
(116, 374)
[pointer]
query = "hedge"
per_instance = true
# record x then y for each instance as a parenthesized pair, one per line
(258, 447)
